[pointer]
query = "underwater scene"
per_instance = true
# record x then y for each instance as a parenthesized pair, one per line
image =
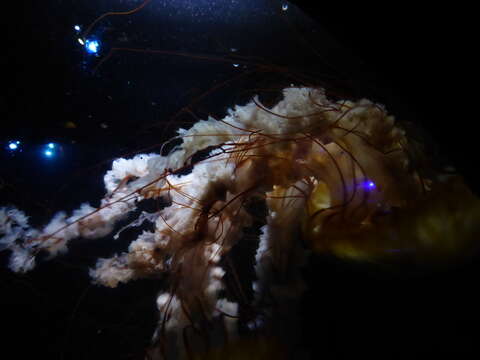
(243, 179)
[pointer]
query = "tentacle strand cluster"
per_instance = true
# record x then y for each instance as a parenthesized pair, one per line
(335, 176)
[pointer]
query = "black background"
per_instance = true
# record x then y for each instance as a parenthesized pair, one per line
(415, 60)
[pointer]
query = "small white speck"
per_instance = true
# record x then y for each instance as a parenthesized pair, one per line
(284, 7)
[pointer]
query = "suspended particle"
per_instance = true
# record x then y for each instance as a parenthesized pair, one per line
(70, 125)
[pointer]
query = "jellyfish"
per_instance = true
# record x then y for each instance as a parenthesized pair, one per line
(333, 176)
(309, 174)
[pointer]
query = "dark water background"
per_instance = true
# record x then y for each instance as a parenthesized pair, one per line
(413, 60)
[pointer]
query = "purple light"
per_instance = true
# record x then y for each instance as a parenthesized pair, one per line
(371, 185)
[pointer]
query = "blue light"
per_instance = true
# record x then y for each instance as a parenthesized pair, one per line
(92, 46)
(50, 150)
(371, 185)
(13, 145)
(77, 28)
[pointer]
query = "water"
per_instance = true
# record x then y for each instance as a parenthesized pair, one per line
(168, 57)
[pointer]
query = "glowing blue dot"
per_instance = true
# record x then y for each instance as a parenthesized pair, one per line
(13, 145)
(77, 27)
(285, 7)
(92, 46)
(371, 185)
(49, 149)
